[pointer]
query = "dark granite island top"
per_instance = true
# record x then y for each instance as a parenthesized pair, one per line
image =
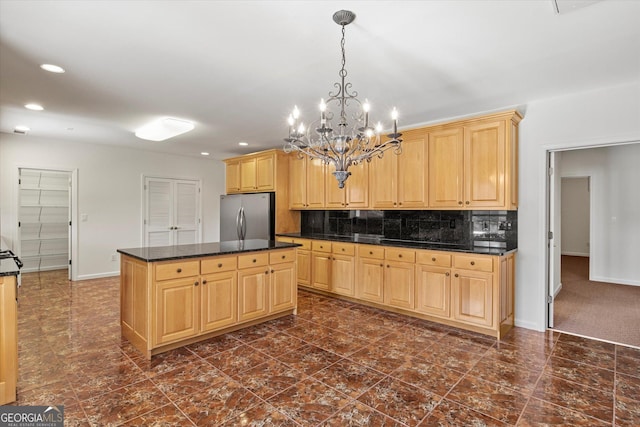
(8, 266)
(165, 253)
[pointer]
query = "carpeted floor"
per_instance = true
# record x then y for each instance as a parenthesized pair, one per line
(598, 310)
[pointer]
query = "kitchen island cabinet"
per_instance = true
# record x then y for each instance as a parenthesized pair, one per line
(9, 272)
(175, 295)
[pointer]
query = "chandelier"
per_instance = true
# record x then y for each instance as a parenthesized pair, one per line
(331, 138)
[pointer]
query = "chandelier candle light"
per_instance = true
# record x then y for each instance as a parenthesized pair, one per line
(347, 145)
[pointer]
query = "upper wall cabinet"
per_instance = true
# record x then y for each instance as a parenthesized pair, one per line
(252, 173)
(474, 164)
(354, 195)
(400, 181)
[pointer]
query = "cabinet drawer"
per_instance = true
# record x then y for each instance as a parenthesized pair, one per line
(473, 262)
(218, 264)
(367, 251)
(344, 248)
(178, 269)
(398, 254)
(279, 257)
(306, 244)
(434, 258)
(321, 246)
(255, 259)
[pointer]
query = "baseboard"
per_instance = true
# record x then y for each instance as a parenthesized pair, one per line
(527, 325)
(557, 290)
(615, 281)
(575, 254)
(98, 275)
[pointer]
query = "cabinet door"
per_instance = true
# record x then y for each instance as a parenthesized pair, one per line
(8, 339)
(253, 293)
(283, 287)
(343, 274)
(446, 169)
(433, 290)
(412, 173)
(218, 306)
(358, 186)
(370, 279)
(315, 183)
(399, 284)
(335, 197)
(383, 179)
(175, 309)
(473, 297)
(321, 270)
(297, 182)
(484, 146)
(248, 174)
(265, 167)
(233, 176)
(304, 267)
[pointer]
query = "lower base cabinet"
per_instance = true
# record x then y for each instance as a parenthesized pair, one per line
(168, 304)
(8, 339)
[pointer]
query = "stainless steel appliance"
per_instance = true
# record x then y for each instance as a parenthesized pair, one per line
(247, 216)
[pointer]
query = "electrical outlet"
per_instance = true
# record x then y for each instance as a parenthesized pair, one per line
(114, 257)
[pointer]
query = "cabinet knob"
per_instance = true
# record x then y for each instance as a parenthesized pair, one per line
(433, 259)
(321, 247)
(400, 203)
(254, 260)
(271, 271)
(196, 284)
(284, 256)
(446, 274)
(456, 275)
(459, 203)
(219, 265)
(342, 249)
(370, 252)
(473, 263)
(395, 204)
(466, 203)
(204, 282)
(399, 255)
(347, 204)
(179, 270)
(387, 265)
(381, 265)
(266, 272)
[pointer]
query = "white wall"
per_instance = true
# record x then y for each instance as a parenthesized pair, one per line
(109, 192)
(615, 209)
(575, 215)
(603, 116)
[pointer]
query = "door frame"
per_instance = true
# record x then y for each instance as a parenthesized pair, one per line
(73, 213)
(143, 202)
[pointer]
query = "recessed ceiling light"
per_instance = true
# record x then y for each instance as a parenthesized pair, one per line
(34, 107)
(244, 144)
(164, 128)
(52, 68)
(204, 153)
(21, 129)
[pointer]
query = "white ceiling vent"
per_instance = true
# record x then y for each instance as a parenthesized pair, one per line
(566, 6)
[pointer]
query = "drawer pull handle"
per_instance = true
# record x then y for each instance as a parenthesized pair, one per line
(196, 284)
(284, 256)
(399, 255)
(321, 246)
(204, 282)
(219, 265)
(446, 274)
(254, 260)
(370, 252)
(342, 249)
(433, 259)
(473, 263)
(179, 270)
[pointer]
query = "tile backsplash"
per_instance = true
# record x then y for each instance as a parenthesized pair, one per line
(479, 228)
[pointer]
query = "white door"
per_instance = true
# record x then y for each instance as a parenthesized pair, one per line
(554, 230)
(171, 212)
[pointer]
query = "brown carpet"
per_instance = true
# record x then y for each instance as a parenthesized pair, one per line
(598, 310)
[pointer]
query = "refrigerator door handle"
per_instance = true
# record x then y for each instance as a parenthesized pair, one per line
(243, 223)
(239, 223)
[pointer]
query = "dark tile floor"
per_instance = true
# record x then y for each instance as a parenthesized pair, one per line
(334, 364)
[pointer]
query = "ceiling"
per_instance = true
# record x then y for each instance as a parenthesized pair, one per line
(236, 68)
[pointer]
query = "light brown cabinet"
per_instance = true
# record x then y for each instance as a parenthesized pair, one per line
(474, 165)
(400, 181)
(433, 283)
(355, 193)
(321, 265)
(303, 258)
(399, 280)
(168, 304)
(8, 339)
(307, 184)
(343, 268)
(370, 272)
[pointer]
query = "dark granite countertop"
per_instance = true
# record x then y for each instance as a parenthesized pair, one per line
(8, 267)
(378, 240)
(165, 253)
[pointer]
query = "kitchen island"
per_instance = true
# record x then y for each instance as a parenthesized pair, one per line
(171, 296)
(9, 271)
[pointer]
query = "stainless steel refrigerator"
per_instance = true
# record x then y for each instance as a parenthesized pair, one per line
(247, 216)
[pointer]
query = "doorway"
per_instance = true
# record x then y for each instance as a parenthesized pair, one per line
(44, 219)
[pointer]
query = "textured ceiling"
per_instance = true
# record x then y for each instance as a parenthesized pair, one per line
(236, 68)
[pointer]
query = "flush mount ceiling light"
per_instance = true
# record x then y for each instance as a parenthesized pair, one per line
(164, 128)
(52, 68)
(204, 153)
(34, 107)
(22, 130)
(340, 143)
(244, 144)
